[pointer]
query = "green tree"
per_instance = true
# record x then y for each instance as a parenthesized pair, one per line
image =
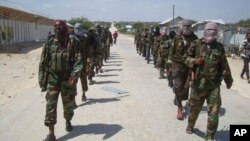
(137, 26)
(243, 23)
(86, 23)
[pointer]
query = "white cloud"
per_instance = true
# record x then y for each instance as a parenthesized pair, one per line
(47, 6)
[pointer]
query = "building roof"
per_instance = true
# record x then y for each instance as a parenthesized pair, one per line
(11, 10)
(219, 21)
(70, 25)
(169, 20)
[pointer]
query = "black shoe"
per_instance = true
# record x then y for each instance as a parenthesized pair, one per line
(249, 81)
(68, 126)
(161, 77)
(170, 84)
(189, 129)
(101, 71)
(50, 137)
(241, 76)
(75, 106)
(96, 70)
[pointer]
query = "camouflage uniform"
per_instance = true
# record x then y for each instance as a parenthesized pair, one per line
(155, 47)
(206, 83)
(101, 39)
(92, 62)
(149, 44)
(109, 43)
(60, 63)
(144, 41)
(79, 39)
(139, 43)
(180, 72)
(163, 53)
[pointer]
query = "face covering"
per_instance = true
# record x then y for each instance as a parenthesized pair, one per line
(210, 32)
(78, 29)
(186, 27)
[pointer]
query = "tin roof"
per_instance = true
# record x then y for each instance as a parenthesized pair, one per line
(219, 21)
(11, 10)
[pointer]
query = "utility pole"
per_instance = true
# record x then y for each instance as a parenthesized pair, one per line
(173, 15)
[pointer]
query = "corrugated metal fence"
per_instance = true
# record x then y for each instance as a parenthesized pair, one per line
(12, 32)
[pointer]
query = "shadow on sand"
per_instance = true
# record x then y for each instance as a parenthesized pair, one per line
(108, 130)
(21, 48)
(221, 135)
(91, 101)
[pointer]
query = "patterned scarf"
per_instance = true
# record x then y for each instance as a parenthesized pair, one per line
(210, 32)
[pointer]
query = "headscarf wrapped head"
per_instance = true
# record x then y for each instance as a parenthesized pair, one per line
(210, 32)
(61, 31)
(78, 29)
(186, 28)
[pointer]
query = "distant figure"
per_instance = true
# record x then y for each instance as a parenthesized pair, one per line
(115, 35)
(245, 55)
(49, 35)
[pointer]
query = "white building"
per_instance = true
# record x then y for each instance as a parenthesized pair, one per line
(199, 28)
(129, 28)
(21, 25)
(170, 24)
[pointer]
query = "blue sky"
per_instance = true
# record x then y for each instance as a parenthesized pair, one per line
(140, 10)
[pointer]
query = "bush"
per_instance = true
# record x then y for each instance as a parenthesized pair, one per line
(84, 21)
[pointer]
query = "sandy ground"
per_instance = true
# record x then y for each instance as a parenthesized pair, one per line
(19, 68)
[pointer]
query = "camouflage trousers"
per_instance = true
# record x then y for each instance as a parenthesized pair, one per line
(196, 101)
(155, 56)
(67, 94)
(181, 90)
(105, 53)
(91, 66)
(84, 81)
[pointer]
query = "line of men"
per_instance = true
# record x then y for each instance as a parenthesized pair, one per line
(189, 62)
(65, 58)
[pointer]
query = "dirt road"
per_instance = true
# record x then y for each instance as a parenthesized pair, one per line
(127, 103)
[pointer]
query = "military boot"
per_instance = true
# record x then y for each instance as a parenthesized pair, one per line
(180, 113)
(91, 82)
(84, 98)
(68, 126)
(101, 71)
(96, 70)
(50, 137)
(161, 73)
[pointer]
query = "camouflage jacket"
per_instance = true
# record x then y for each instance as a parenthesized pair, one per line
(59, 63)
(214, 69)
(180, 50)
(156, 45)
(93, 44)
(81, 43)
(165, 47)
